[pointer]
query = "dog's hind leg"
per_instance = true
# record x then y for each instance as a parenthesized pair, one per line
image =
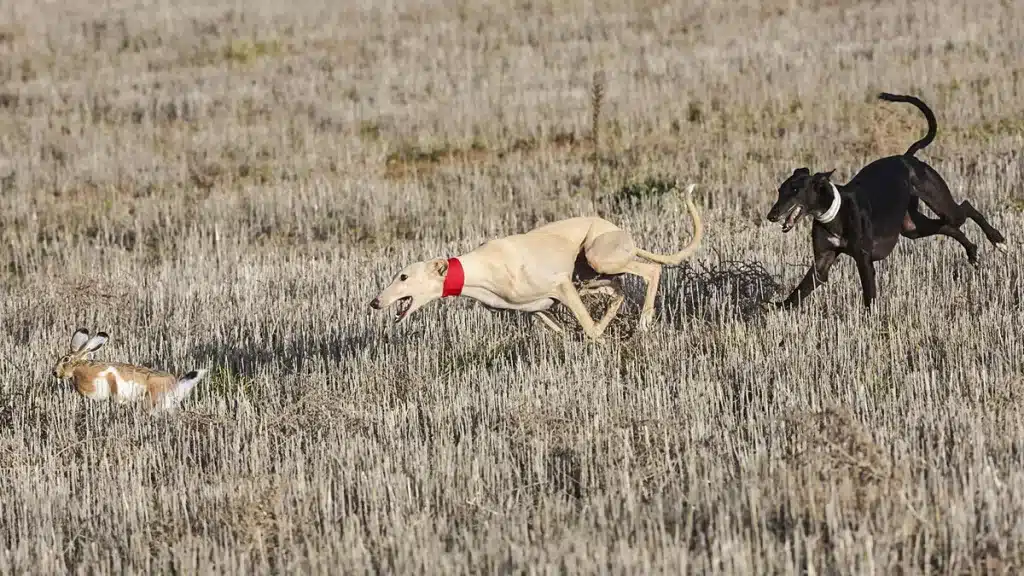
(613, 253)
(993, 235)
(549, 322)
(611, 311)
(613, 288)
(953, 216)
(651, 273)
(606, 287)
(610, 253)
(568, 295)
(601, 285)
(917, 225)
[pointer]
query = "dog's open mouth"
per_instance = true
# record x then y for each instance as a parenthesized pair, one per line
(791, 219)
(402, 307)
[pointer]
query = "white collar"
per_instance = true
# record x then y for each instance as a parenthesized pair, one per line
(833, 210)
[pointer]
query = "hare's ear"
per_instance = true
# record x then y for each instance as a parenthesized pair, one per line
(78, 340)
(95, 342)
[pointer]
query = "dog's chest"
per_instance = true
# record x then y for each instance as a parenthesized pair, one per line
(493, 300)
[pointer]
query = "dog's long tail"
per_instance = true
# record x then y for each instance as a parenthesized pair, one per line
(689, 249)
(932, 125)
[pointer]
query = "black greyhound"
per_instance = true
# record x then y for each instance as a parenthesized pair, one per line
(865, 217)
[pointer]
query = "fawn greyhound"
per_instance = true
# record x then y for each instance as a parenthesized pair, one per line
(865, 217)
(532, 271)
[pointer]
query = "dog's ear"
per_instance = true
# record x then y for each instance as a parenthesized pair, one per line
(826, 176)
(440, 266)
(802, 172)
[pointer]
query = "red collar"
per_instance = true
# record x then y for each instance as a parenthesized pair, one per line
(454, 279)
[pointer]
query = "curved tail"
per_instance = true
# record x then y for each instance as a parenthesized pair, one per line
(932, 125)
(689, 249)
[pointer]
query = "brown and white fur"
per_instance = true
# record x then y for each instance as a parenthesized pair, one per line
(532, 271)
(121, 382)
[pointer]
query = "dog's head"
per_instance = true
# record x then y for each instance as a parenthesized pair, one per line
(416, 285)
(801, 194)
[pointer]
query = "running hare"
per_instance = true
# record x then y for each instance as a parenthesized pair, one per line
(122, 382)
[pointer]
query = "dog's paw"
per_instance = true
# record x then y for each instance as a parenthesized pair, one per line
(1003, 247)
(972, 256)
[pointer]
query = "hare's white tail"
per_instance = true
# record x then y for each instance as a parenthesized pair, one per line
(174, 396)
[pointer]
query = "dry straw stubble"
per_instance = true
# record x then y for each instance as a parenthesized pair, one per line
(211, 185)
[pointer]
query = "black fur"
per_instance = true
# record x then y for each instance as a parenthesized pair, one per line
(878, 205)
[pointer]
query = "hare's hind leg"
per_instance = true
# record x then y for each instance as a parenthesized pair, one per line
(169, 397)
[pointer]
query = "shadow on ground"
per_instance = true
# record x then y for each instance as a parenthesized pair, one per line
(732, 290)
(288, 351)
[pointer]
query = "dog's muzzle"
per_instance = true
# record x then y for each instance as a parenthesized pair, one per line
(791, 218)
(787, 218)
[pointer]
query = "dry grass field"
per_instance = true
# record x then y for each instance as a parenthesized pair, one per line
(228, 184)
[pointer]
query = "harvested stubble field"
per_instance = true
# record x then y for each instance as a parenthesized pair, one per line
(228, 184)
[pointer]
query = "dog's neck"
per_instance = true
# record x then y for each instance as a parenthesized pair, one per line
(477, 282)
(833, 209)
(454, 279)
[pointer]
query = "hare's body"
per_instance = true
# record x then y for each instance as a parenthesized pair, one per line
(121, 382)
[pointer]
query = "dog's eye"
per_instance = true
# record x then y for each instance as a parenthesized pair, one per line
(403, 278)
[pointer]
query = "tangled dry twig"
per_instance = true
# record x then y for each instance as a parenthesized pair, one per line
(730, 287)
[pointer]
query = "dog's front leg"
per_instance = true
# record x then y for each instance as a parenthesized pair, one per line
(817, 275)
(568, 295)
(866, 270)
